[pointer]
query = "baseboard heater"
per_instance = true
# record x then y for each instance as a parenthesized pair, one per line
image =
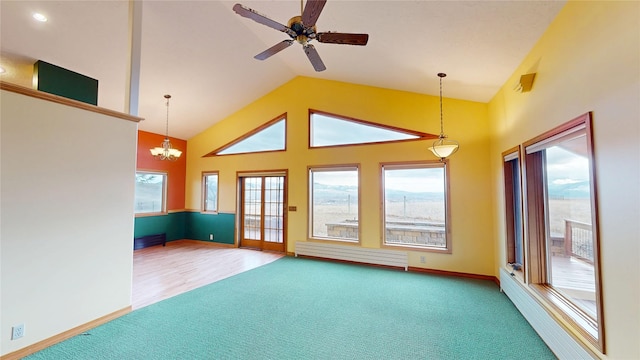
(149, 240)
(353, 253)
(563, 345)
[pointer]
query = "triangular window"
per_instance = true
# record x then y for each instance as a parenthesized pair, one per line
(268, 137)
(333, 130)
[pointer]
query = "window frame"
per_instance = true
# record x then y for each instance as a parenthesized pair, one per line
(326, 168)
(165, 186)
(447, 204)
(511, 208)
(592, 330)
(205, 175)
(277, 119)
(418, 134)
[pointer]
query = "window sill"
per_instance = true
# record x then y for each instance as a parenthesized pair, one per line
(576, 319)
(335, 240)
(518, 274)
(151, 214)
(431, 249)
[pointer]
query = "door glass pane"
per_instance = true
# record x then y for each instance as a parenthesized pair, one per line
(273, 209)
(252, 207)
(570, 239)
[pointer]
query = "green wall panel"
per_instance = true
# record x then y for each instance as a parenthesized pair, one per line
(59, 81)
(199, 226)
(188, 225)
(172, 224)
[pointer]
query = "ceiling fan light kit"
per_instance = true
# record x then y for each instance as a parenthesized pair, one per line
(302, 29)
(443, 147)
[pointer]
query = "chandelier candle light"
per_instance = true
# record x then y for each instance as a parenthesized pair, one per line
(166, 151)
(443, 147)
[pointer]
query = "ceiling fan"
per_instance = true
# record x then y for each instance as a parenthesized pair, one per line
(303, 30)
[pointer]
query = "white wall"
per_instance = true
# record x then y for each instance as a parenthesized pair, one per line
(67, 190)
(589, 60)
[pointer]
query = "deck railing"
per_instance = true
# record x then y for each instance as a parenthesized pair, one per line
(578, 240)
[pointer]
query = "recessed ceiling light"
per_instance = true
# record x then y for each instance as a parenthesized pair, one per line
(39, 17)
(2, 70)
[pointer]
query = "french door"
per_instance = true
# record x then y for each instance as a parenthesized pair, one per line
(262, 212)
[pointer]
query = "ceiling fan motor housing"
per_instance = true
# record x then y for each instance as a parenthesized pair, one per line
(303, 34)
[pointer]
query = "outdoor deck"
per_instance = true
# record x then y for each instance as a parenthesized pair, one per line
(576, 279)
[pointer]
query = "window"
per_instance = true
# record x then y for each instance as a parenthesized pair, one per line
(210, 192)
(562, 225)
(416, 205)
(513, 210)
(334, 203)
(151, 188)
(269, 137)
(332, 130)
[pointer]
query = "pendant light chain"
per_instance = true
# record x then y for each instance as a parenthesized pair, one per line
(167, 125)
(441, 75)
(166, 151)
(443, 147)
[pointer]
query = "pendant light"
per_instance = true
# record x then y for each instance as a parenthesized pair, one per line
(443, 147)
(166, 151)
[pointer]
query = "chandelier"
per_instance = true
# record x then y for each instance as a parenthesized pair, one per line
(443, 147)
(166, 151)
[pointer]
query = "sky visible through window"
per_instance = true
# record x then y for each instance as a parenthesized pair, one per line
(567, 173)
(330, 131)
(410, 180)
(415, 180)
(269, 139)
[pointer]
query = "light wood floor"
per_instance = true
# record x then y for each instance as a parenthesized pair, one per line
(162, 272)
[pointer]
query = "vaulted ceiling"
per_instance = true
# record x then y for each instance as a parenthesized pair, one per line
(201, 52)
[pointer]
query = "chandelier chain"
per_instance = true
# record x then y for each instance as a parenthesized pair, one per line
(166, 151)
(443, 147)
(167, 124)
(441, 75)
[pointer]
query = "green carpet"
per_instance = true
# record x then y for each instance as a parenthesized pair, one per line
(309, 309)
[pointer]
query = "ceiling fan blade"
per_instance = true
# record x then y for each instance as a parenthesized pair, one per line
(273, 50)
(313, 56)
(343, 38)
(259, 18)
(311, 12)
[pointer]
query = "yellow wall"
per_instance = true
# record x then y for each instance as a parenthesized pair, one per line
(470, 187)
(588, 60)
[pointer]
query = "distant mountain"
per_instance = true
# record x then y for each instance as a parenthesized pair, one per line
(399, 195)
(576, 190)
(330, 193)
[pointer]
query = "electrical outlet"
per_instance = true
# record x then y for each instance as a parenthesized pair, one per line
(17, 332)
(422, 260)
(210, 236)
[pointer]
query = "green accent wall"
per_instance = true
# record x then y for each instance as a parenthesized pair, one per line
(60, 81)
(172, 224)
(188, 225)
(199, 226)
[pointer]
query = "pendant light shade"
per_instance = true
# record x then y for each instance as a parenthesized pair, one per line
(443, 147)
(166, 151)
